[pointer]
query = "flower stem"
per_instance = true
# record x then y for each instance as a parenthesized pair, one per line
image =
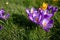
(46, 37)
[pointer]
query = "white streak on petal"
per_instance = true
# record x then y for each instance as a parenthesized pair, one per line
(40, 18)
(45, 12)
(30, 18)
(27, 11)
(32, 10)
(34, 15)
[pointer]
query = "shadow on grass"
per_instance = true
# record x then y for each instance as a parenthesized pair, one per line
(56, 31)
(22, 21)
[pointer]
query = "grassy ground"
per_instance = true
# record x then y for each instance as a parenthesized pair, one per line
(19, 27)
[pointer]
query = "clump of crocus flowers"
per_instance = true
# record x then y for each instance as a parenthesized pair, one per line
(3, 16)
(42, 16)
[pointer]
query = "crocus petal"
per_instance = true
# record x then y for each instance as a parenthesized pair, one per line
(35, 19)
(48, 25)
(43, 22)
(44, 6)
(2, 12)
(54, 9)
(6, 16)
(41, 11)
(45, 12)
(32, 10)
(40, 17)
(49, 7)
(30, 17)
(35, 14)
(28, 11)
(48, 16)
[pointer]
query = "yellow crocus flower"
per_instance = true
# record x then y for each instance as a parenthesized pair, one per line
(44, 6)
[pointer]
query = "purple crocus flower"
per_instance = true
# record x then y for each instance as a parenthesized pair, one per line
(45, 14)
(52, 9)
(2, 12)
(42, 17)
(33, 15)
(3, 15)
(46, 24)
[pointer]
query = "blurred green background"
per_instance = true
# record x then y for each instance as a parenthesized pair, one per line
(19, 27)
